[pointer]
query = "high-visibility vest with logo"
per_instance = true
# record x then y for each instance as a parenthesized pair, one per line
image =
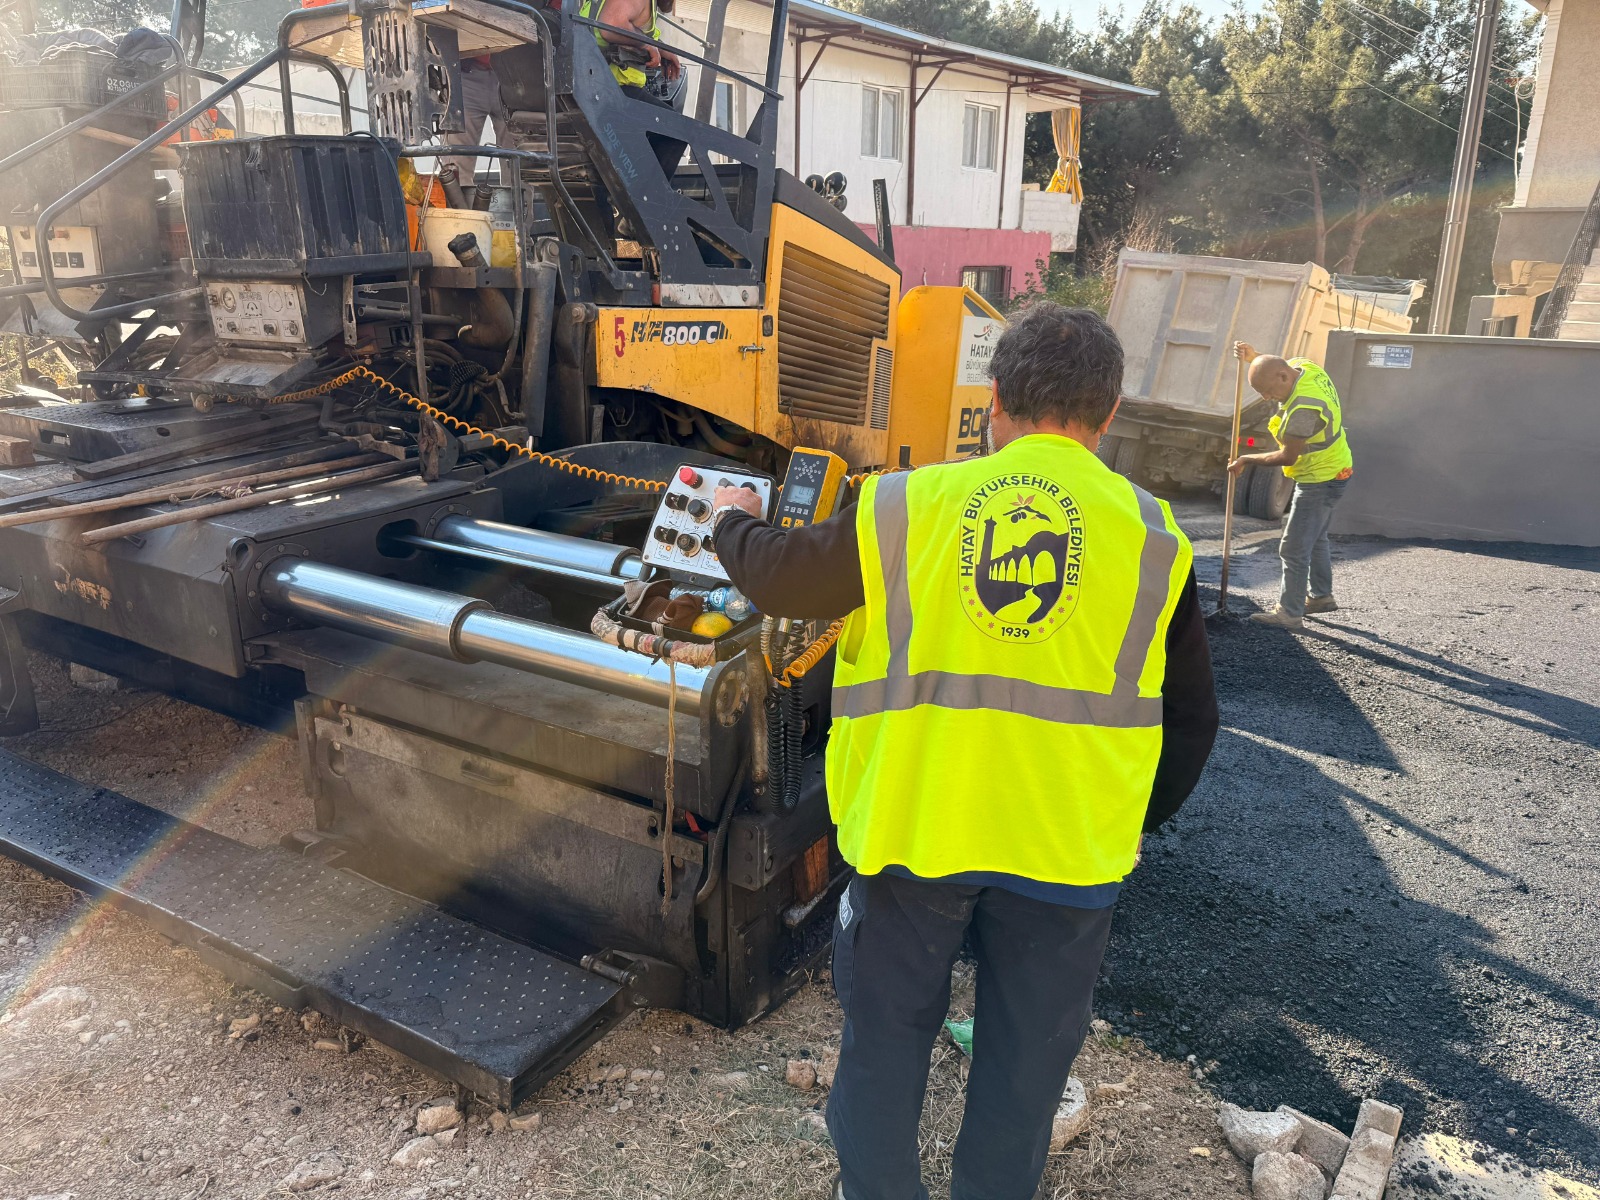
(1327, 454)
(626, 75)
(997, 700)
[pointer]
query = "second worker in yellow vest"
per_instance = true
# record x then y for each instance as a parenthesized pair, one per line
(1314, 451)
(1023, 687)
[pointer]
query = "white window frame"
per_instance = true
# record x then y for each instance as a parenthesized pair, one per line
(978, 153)
(882, 111)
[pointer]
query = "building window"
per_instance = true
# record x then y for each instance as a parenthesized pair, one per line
(992, 283)
(724, 105)
(880, 122)
(980, 136)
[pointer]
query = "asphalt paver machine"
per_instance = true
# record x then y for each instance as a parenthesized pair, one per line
(416, 466)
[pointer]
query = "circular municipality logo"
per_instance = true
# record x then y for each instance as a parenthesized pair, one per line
(1021, 557)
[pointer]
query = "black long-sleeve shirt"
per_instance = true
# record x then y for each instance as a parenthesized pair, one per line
(815, 571)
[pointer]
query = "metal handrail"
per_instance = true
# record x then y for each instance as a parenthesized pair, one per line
(1571, 273)
(46, 220)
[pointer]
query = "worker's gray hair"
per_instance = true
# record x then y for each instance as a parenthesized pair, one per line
(1061, 364)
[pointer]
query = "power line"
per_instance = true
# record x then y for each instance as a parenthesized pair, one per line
(1406, 49)
(1407, 30)
(1398, 100)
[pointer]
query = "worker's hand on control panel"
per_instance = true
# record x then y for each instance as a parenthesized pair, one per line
(737, 497)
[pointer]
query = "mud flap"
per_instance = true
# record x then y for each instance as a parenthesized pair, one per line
(496, 1016)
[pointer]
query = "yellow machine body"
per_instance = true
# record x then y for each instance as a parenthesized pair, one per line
(835, 358)
(813, 366)
(940, 404)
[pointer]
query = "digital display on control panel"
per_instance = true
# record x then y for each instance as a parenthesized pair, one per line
(810, 488)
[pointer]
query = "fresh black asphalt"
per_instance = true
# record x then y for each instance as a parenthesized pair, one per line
(1388, 882)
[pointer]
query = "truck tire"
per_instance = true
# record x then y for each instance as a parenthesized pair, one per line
(1121, 454)
(1267, 493)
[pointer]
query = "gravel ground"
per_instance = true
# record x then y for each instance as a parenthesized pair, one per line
(1385, 884)
(129, 1083)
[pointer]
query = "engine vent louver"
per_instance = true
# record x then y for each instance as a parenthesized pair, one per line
(882, 382)
(828, 318)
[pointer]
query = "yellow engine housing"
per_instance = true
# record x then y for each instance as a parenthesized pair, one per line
(816, 364)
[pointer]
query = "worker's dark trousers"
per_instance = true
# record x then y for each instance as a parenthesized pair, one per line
(894, 944)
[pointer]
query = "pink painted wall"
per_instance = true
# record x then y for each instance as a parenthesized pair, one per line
(938, 255)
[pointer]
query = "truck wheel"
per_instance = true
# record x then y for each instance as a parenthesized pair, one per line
(1267, 493)
(1121, 454)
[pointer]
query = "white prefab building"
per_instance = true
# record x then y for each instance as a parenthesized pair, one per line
(941, 123)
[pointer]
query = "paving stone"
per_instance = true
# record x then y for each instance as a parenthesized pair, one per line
(1279, 1176)
(1365, 1170)
(1319, 1141)
(1253, 1133)
(1071, 1115)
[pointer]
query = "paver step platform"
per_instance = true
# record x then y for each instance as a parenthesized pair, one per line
(489, 1013)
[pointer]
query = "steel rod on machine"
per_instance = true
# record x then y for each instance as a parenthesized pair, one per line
(468, 630)
(520, 562)
(540, 546)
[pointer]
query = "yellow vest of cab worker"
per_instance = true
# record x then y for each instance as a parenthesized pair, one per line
(627, 76)
(1327, 454)
(997, 700)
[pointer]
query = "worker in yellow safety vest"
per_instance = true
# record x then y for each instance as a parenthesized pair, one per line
(621, 51)
(1022, 688)
(1314, 451)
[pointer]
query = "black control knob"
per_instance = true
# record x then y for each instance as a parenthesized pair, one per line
(677, 501)
(688, 543)
(700, 510)
(707, 545)
(664, 534)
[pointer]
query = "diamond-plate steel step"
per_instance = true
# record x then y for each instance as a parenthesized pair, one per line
(489, 1013)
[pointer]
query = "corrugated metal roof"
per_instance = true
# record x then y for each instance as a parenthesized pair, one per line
(812, 15)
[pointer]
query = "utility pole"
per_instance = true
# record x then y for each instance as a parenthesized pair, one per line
(1455, 220)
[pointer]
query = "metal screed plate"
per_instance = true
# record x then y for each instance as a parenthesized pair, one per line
(491, 1014)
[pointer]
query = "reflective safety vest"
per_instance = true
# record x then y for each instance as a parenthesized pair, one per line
(997, 700)
(1327, 454)
(627, 76)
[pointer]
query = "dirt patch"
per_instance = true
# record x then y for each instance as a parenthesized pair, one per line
(136, 1086)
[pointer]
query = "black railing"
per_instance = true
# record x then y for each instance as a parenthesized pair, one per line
(1572, 269)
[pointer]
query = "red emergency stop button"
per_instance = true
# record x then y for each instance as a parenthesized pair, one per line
(689, 477)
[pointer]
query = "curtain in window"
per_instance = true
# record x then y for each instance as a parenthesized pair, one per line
(1065, 126)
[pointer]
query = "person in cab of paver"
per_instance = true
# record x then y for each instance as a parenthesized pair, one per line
(1314, 452)
(1023, 687)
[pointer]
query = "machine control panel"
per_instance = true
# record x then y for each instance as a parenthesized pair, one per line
(810, 488)
(74, 252)
(680, 538)
(268, 311)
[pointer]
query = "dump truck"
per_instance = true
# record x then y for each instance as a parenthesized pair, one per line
(418, 469)
(1178, 316)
